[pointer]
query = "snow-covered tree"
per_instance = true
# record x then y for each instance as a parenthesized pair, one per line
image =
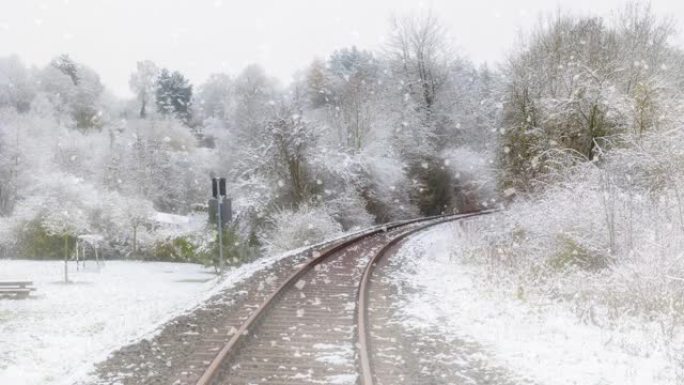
(420, 56)
(129, 215)
(215, 97)
(65, 211)
(74, 90)
(354, 86)
(255, 101)
(317, 86)
(17, 86)
(579, 81)
(143, 83)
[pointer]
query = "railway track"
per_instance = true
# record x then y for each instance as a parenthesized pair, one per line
(314, 326)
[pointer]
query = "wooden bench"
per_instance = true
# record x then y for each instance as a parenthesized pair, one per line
(17, 289)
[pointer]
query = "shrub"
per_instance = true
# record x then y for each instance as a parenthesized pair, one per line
(34, 242)
(432, 186)
(292, 229)
(236, 250)
(570, 252)
(180, 249)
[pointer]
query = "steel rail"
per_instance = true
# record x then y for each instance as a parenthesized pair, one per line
(363, 326)
(214, 367)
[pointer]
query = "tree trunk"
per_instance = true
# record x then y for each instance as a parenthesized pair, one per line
(66, 259)
(143, 113)
(135, 240)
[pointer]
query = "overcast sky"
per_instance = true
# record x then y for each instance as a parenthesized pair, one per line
(199, 37)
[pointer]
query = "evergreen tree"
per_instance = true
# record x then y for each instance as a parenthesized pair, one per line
(174, 95)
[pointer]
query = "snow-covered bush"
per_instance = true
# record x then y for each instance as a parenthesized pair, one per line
(349, 210)
(608, 238)
(125, 221)
(387, 190)
(576, 81)
(6, 238)
(474, 177)
(340, 183)
(362, 188)
(290, 229)
(237, 249)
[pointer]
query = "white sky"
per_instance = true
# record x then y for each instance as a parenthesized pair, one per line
(199, 37)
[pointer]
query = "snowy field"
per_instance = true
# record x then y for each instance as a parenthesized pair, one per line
(58, 333)
(546, 343)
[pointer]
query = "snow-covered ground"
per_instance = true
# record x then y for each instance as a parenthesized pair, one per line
(52, 336)
(56, 336)
(545, 343)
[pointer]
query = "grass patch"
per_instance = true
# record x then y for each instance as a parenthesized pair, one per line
(570, 253)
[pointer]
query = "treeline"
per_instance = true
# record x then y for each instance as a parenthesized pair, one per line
(359, 137)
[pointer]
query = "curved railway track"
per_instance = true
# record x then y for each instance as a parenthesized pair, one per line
(314, 328)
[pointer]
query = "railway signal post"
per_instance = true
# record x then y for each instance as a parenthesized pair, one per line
(219, 212)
